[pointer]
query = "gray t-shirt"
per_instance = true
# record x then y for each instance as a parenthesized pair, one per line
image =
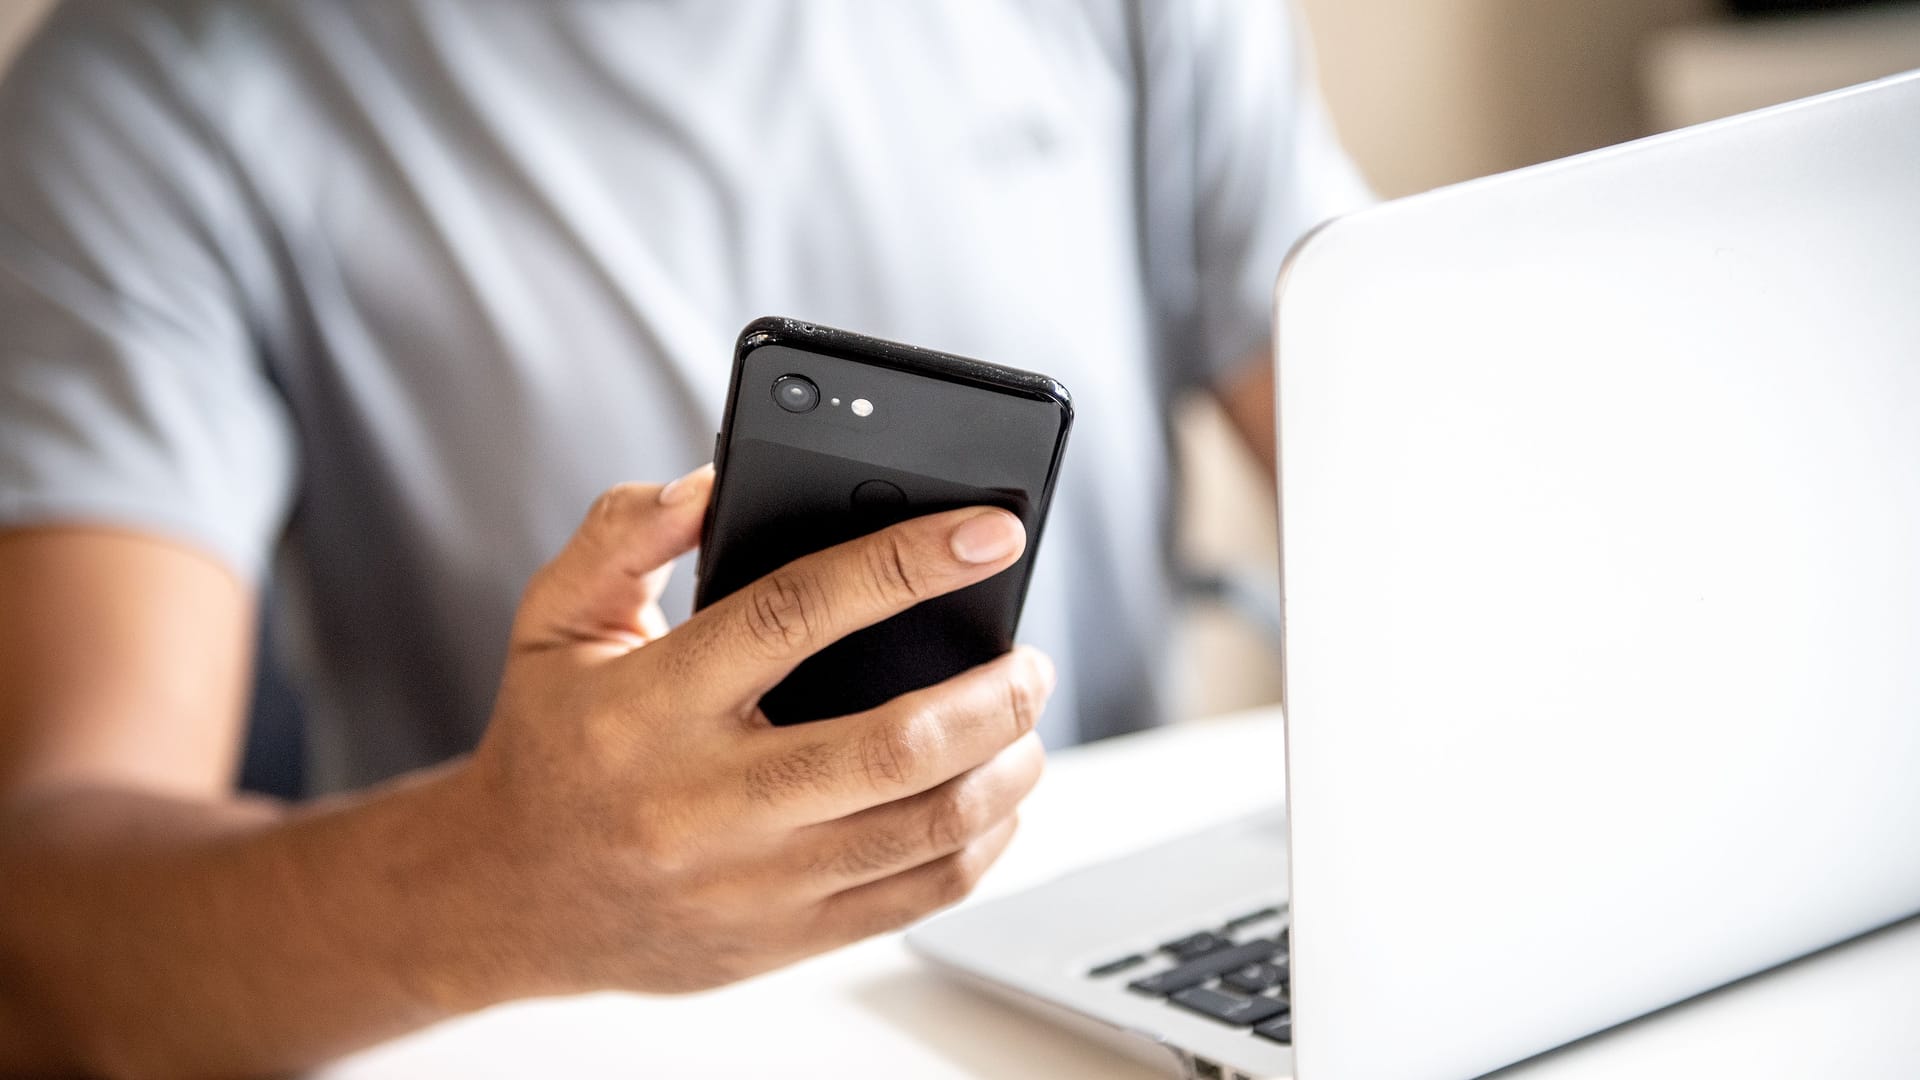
(375, 296)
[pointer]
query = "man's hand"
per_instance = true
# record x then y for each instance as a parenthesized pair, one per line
(629, 820)
(658, 833)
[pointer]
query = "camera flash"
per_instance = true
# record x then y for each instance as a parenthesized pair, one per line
(861, 407)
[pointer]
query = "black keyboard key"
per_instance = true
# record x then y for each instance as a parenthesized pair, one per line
(1195, 972)
(1194, 946)
(1250, 918)
(1254, 978)
(1115, 967)
(1286, 940)
(1279, 1030)
(1229, 1008)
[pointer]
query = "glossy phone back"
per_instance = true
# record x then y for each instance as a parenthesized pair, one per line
(939, 432)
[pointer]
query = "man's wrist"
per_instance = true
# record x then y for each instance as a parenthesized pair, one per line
(447, 897)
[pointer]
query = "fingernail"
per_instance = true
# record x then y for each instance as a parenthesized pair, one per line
(986, 537)
(679, 491)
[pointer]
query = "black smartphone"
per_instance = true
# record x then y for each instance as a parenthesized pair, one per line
(830, 435)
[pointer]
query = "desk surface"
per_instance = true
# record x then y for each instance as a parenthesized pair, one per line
(872, 1010)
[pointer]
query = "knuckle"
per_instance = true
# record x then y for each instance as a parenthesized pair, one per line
(953, 816)
(953, 880)
(664, 847)
(614, 506)
(892, 570)
(1025, 700)
(783, 610)
(889, 756)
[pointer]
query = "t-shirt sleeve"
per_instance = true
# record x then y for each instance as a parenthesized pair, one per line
(133, 390)
(1267, 169)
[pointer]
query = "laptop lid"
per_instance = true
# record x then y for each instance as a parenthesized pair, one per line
(1601, 550)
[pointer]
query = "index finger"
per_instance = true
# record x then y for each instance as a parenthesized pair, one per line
(744, 644)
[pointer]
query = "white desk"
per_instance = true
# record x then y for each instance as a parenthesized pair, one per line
(872, 1010)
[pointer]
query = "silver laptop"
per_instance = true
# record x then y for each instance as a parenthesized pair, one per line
(1601, 553)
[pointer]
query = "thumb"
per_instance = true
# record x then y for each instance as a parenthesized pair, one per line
(602, 589)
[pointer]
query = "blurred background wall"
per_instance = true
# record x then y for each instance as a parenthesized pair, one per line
(1428, 92)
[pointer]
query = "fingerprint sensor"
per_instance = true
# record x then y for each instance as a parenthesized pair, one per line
(878, 495)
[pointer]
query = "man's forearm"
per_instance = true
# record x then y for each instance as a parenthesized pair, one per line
(626, 821)
(150, 936)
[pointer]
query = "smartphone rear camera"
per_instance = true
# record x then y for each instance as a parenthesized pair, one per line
(796, 393)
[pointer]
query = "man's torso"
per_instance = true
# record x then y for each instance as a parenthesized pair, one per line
(512, 245)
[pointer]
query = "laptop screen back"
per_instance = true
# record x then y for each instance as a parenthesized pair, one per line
(1601, 543)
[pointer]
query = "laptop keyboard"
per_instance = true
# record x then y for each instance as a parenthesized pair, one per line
(1235, 973)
